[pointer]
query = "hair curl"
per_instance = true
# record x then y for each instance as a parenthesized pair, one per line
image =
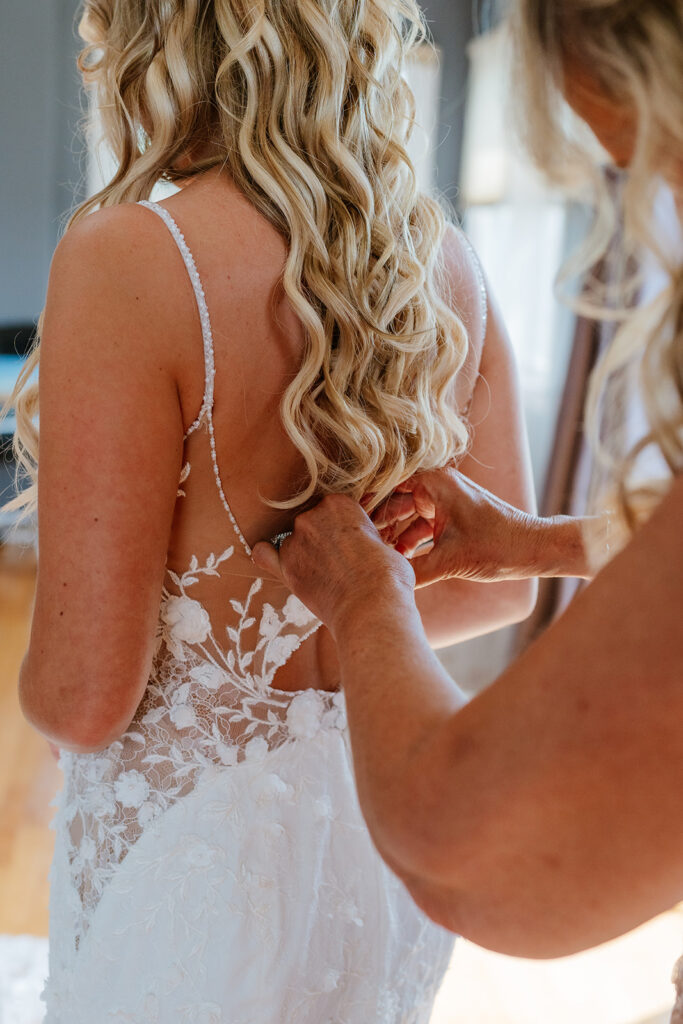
(306, 105)
(633, 51)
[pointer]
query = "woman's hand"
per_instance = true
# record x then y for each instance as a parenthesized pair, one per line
(449, 526)
(452, 528)
(335, 561)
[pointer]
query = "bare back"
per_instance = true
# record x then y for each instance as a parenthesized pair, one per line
(244, 455)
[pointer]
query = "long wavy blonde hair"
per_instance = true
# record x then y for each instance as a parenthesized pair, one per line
(633, 51)
(305, 103)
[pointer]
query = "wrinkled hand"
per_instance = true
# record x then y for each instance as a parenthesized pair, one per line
(451, 527)
(334, 559)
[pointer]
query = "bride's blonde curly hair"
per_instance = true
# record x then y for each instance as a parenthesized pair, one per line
(633, 51)
(305, 103)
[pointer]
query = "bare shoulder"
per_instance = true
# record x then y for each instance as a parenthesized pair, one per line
(117, 248)
(101, 238)
(118, 268)
(464, 286)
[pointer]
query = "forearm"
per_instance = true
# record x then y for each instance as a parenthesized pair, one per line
(543, 817)
(561, 545)
(471, 534)
(550, 547)
(397, 694)
(456, 610)
(62, 714)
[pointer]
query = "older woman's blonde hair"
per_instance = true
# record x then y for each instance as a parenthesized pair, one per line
(633, 51)
(305, 103)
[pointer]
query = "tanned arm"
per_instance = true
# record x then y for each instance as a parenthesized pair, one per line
(546, 816)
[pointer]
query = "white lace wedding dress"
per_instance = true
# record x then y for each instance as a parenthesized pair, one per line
(212, 865)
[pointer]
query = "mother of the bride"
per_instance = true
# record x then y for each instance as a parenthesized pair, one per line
(546, 815)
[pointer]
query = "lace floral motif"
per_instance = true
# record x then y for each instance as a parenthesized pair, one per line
(205, 705)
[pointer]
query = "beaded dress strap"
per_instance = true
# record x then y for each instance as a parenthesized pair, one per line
(206, 411)
(188, 258)
(483, 294)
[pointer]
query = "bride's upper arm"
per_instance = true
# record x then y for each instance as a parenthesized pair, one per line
(111, 437)
(498, 458)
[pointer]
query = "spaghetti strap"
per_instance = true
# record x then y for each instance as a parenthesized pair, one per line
(481, 281)
(188, 258)
(206, 411)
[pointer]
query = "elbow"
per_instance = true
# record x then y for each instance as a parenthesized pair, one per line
(441, 905)
(469, 877)
(79, 735)
(85, 740)
(66, 723)
(497, 919)
(432, 868)
(453, 836)
(448, 848)
(481, 899)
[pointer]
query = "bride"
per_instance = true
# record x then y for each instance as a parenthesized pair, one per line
(296, 319)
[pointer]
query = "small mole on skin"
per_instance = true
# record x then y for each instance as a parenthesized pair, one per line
(97, 519)
(61, 613)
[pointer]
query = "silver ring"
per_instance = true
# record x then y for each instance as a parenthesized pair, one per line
(278, 540)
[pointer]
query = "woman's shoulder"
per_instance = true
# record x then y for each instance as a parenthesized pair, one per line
(103, 233)
(464, 285)
(118, 251)
(116, 264)
(107, 224)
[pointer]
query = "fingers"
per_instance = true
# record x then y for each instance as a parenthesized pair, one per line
(418, 533)
(267, 558)
(395, 509)
(425, 502)
(429, 568)
(425, 489)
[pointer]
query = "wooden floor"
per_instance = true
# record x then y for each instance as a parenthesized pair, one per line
(29, 776)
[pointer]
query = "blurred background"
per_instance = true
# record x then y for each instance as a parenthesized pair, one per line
(522, 231)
